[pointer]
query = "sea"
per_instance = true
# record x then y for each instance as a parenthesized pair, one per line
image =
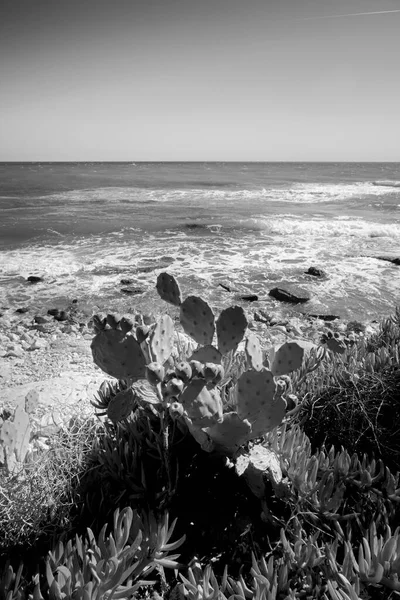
(83, 227)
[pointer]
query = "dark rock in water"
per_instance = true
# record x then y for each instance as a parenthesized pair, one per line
(315, 272)
(318, 311)
(62, 316)
(162, 263)
(392, 259)
(22, 310)
(292, 294)
(126, 281)
(75, 301)
(229, 287)
(134, 291)
(247, 297)
(40, 319)
(53, 312)
(34, 279)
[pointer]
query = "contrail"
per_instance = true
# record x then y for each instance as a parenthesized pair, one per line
(378, 12)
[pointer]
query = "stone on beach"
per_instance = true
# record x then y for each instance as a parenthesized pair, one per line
(290, 293)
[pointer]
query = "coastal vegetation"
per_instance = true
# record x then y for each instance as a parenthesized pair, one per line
(212, 467)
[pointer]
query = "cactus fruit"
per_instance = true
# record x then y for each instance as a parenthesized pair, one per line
(287, 358)
(112, 321)
(162, 339)
(197, 319)
(197, 368)
(168, 289)
(126, 325)
(203, 406)
(231, 327)
(176, 409)
(253, 352)
(118, 355)
(155, 373)
(183, 370)
(206, 354)
(121, 406)
(142, 331)
(256, 401)
(213, 373)
(230, 433)
(174, 386)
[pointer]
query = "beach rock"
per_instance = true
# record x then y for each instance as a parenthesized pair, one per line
(38, 344)
(315, 272)
(34, 279)
(247, 297)
(392, 259)
(291, 294)
(22, 310)
(53, 311)
(61, 316)
(315, 310)
(228, 286)
(126, 281)
(39, 319)
(132, 291)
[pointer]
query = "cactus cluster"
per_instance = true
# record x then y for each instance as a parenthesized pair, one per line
(190, 389)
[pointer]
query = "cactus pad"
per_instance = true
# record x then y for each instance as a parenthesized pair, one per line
(112, 321)
(253, 352)
(121, 406)
(162, 339)
(230, 433)
(118, 355)
(206, 354)
(168, 289)
(256, 401)
(203, 406)
(197, 319)
(287, 358)
(231, 327)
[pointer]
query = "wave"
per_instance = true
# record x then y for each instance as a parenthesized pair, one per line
(387, 183)
(297, 193)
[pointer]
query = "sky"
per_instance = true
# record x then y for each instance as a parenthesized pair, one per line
(200, 80)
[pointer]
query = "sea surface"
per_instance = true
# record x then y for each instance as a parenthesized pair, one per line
(85, 226)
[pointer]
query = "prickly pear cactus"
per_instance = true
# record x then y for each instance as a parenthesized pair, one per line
(206, 354)
(162, 339)
(197, 319)
(121, 406)
(230, 433)
(231, 327)
(155, 373)
(287, 358)
(203, 406)
(253, 352)
(118, 354)
(168, 289)
(257, 402)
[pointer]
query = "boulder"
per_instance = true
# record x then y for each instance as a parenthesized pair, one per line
(39, 319)
(247, 297)
(34, 279)
(22, 310)
(315, 272)
(291, 294)
(53, 312)
(126, 281)
(318, 311)
(61, 316)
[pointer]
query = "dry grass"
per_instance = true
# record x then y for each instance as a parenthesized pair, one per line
(35, 503)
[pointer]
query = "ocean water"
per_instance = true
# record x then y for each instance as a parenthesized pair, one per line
(85, 226)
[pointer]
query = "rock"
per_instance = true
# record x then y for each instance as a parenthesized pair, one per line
(34, 279)
(22, 310)
(38, 344)
(315, 272)
(292, 294)
(39, 319)
(62, 316)
(318, 311)
(392, 259)
(53, 312)
(134, 291)
(247, 297)
(126, 281)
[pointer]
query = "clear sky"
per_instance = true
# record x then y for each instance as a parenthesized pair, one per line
(222, 80)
